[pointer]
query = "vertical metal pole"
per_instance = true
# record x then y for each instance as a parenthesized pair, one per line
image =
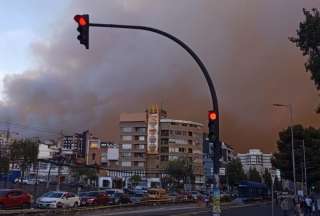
(305, 167)
(272, 202)
(292, 152)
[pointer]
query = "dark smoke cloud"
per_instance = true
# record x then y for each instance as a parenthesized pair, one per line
(243, 43)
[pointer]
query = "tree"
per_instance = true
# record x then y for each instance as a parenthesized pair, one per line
(253, 175)
(283, 158)
(267, 178)
(180, 169)
(25, 153)
(235, 173)
(135, 179)
(308, 40)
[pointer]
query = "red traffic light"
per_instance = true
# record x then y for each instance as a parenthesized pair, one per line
(81, 20)
(212, 115)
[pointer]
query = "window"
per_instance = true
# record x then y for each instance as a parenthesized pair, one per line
(164, 132)
(171, 132)
(189, 150)
(127, 129)
(126, 146)
(190, 142)
(126, 154)
(141, 129)
(126, 163)
(173, 157)
(141, 147)
(190, 133)
(181, 149)
(184, 133)
(141, 138)
(185, 125)
(127, 138)
(164, 141)
(93, 156)
(164, 149)
(138, 155)
(164, 158)
(178, 132)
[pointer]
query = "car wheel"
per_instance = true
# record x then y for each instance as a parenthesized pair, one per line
(75, 205)
(59, 205)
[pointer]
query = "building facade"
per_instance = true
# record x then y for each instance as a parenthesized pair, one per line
(132, 146)
(149, 140)
(255, 158)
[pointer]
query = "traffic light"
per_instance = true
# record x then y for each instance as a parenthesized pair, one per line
(213, 137)
(83, 29)
(213, 126)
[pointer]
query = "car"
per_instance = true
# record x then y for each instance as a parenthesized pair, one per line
(14, 198)
(94, 198)
(114, 195)
(58, 199)
(124, 199)
(195, 195)
(136, 198)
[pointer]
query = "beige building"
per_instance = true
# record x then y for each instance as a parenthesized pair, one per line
(149, 140)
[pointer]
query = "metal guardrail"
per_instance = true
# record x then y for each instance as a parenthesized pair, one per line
(79, 210)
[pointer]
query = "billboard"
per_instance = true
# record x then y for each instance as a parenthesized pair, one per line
(153, 131)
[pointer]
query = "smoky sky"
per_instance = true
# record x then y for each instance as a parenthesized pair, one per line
(243, 43)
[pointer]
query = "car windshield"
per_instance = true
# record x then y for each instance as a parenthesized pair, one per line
(110, 192)
(53, 194)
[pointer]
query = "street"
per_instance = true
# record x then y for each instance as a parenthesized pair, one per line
(192, 209)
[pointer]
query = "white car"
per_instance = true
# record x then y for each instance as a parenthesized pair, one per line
(58, 199)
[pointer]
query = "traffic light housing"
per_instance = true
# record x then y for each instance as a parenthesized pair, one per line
(213, 136)
(83, 29)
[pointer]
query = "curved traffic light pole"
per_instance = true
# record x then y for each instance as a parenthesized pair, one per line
(204, 70)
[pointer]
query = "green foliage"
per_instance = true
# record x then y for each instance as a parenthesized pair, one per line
(85, 172)
(24, 152)
(180, 169)
(283, 158)
(135, 179)
(235, 172)
(267, 178)
(308, 40)
(253, 175)
(4, 165)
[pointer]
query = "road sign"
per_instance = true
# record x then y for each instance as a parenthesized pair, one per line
(222, 171)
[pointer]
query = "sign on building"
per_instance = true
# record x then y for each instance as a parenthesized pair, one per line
(153, 130)
(222, 171)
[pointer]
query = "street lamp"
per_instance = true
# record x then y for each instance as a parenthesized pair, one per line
(289, 107)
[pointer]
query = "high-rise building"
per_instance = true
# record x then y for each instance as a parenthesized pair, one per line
(132, 146)
(255, 158)
(149, 140)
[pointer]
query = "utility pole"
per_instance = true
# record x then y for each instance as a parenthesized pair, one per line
(305, 167)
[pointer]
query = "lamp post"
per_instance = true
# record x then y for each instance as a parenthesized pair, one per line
(289, 107)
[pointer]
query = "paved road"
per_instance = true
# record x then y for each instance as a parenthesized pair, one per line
(193, 210)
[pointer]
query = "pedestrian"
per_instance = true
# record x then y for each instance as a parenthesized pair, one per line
(285, 206)
(308, 206)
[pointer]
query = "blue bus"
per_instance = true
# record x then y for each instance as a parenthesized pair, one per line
(250, 190)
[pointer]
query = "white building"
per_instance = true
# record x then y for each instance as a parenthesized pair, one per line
(255, 158)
